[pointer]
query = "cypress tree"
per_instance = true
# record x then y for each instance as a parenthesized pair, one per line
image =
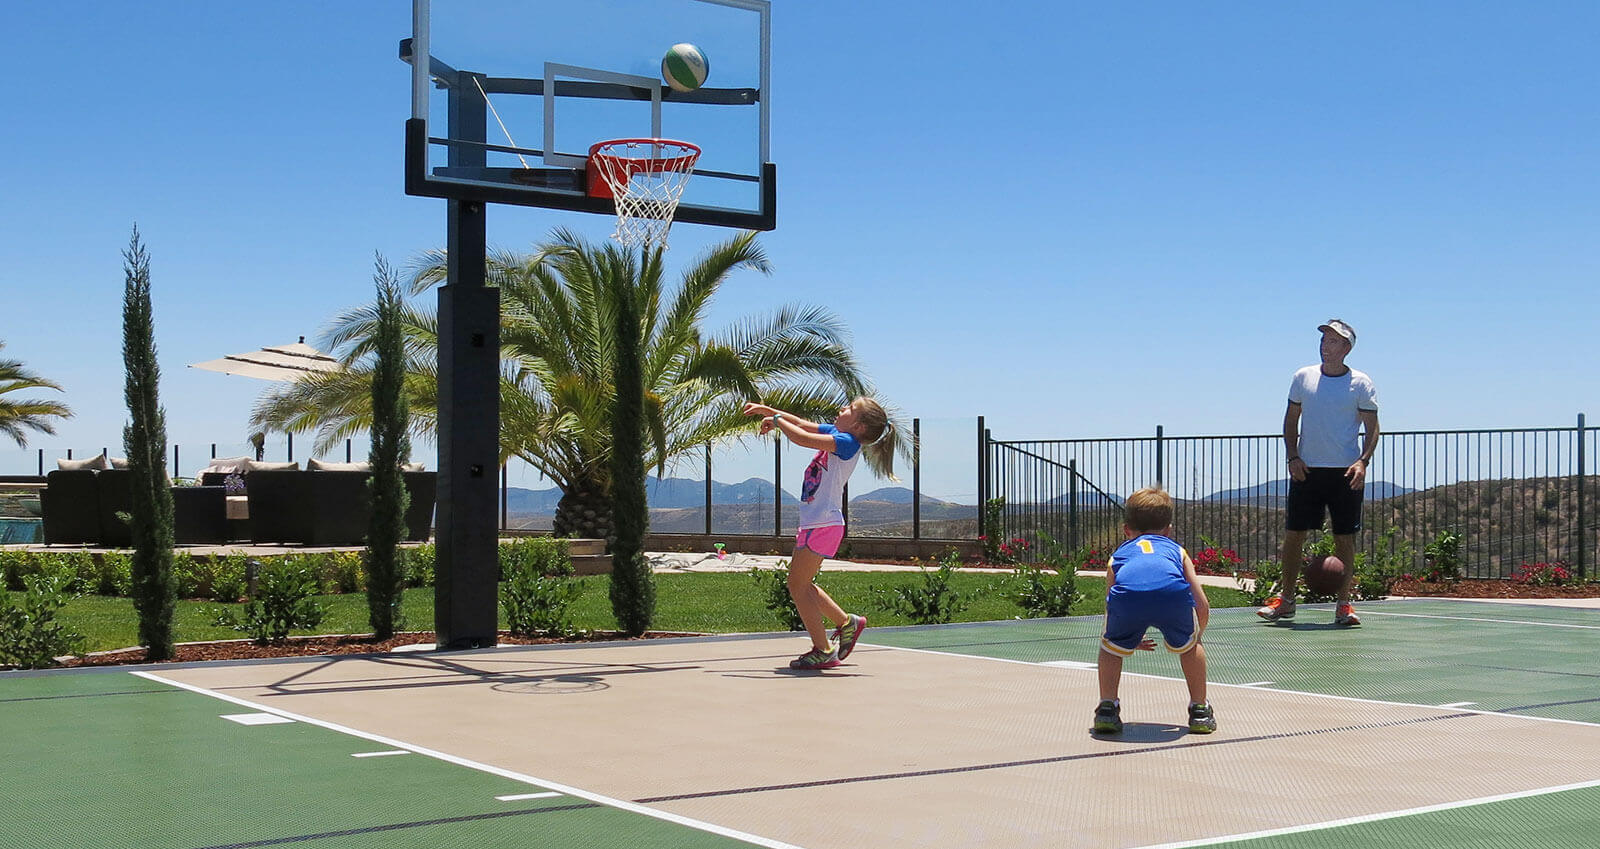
(145, 439)
(633, 590)
(391, 447)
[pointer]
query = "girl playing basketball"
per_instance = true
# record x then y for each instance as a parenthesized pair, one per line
(860, 424)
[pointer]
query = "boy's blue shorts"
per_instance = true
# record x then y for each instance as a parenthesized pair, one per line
(1129, 613)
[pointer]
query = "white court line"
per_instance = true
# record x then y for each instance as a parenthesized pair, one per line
(1366, 610)
(1256, 689)
(1070, 664)
(380, 754)
(492, 770)
(1257, 684)
(255, 718)
(517, 797)
(1387, 815)
(1458, 704)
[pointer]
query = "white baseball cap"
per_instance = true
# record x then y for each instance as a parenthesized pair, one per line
(1339, 327)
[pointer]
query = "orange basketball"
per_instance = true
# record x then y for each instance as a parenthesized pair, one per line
(1324, 574)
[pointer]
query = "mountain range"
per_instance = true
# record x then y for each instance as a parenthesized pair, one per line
(675, 493)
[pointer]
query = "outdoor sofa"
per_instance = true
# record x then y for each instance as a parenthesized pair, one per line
(80, 507)
(325, 507)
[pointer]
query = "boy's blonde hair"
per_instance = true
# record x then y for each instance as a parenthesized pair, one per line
(1149, 510)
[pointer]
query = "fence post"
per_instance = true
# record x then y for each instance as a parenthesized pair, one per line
(505, 490)
(1072, 505)
(347, 457)
(174, 459)
(1160, 458)
(708, 489)
(213, 450)
(777, 485)
(41, 462)
(983, 475)
(291, 448)
(1583, 534)
(916, 478)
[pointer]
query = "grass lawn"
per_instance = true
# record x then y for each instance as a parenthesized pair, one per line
(710, 602)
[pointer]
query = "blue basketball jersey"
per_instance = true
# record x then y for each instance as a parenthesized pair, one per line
(1149, 562)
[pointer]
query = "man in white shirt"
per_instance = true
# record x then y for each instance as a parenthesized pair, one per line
(1329, 404)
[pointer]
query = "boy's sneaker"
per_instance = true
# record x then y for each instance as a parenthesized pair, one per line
(847, 634)
(816, 659)
(1275, 609)
(1108, 718)
(1202, 720)
(1345, 616)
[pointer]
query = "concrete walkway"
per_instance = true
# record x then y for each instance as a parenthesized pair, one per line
(677, 561)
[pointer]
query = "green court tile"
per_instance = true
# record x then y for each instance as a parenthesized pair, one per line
(1552, 820)
(1534, 661)
(115, 760)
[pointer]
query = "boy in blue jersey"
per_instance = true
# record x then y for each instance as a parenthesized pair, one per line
(1152, 584)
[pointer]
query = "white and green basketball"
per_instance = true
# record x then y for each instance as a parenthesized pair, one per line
(684, 67)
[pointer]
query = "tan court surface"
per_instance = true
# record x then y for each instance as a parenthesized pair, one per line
(906, 748)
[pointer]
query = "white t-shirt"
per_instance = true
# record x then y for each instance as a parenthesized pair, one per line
(822, 491)
(1330, 426)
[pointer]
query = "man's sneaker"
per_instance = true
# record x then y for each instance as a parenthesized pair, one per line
(1202, 720)
(1345, 616)
(1108, 718)
(1276, 608)
(816, 659)
(847, 634)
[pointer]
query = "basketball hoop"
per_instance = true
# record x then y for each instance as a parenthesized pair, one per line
(646, 178)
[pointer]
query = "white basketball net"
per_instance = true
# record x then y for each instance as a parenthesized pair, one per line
(646, 178)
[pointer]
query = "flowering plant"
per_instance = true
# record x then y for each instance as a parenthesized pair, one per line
(234, 484)
(1555, 574)
(1212, 560)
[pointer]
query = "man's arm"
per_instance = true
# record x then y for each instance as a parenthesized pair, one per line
(1291, 441)
(1357, 473)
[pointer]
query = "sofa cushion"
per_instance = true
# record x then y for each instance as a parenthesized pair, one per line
(263, 466)
(224, 465)
(413, 467)
(315, 465)
(98, 461)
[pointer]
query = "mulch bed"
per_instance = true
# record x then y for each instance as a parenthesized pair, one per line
(331, 645)
(1483, 588)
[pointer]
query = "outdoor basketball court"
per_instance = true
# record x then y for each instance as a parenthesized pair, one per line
(1436, 724)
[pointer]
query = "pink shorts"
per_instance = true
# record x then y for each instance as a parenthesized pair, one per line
(824, 541)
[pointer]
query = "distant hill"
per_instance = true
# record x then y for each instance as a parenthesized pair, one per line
(677, 506)
(1273, 493)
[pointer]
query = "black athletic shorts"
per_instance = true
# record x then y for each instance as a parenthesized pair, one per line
(1323, 490)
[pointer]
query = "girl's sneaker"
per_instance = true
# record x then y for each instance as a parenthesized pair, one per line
(1202, 720)
(848, 633)
(1108, 718)
(816, 659)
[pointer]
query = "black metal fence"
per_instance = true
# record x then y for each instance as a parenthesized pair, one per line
(1517, 496)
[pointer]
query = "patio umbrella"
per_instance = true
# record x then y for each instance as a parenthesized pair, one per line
(281, 363)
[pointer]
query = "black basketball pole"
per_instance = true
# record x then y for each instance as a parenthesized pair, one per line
(465, 604)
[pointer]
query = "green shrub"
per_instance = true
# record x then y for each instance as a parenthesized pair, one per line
(547, 556)
(1443, 557)
(15, 564)
(1391, 558)
(30, 636)
(345, 571)
(114, 575)
(536, 604)
(932, 601)
(188, 575)
(229, 577)
(418, 562)
(1038, 593)
(283, 602)
(1267, 583)
(774, 584)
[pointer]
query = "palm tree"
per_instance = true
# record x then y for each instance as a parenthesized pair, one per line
(23, 414)
(557, 350)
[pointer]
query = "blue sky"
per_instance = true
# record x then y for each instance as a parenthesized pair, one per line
(1077, 219)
